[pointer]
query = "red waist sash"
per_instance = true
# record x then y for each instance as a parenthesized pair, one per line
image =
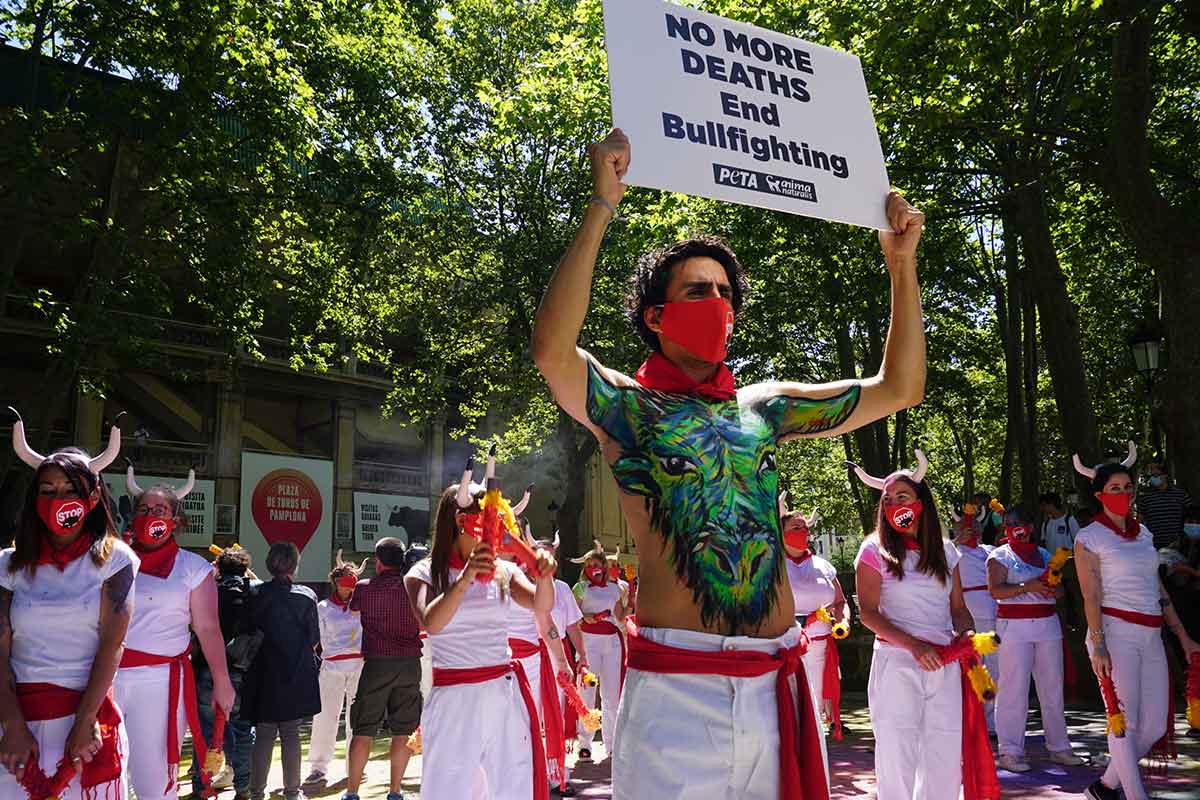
(457, 677)
(1135, 617)
(552, 718)
(603, 626)
(44, 701)
(831, 682)
(1024, 610)
(799, 737)
(343, 657)
(975, 588)
(181, 665)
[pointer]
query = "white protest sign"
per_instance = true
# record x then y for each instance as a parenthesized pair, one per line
(198, 505)
(722, 109)
(377, 516)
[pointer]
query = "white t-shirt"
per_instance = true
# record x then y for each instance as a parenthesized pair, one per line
(56, 616)
(1128, 568)
(972, 571)
(599, 598)
(1059, 532)
(1041, 629)
(341, 634)
(162, 610)
(522, 624)
(477, 634)
(566, 611)
(919, 604)
(812, 586)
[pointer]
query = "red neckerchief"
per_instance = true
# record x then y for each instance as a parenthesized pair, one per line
(800, 559)
(457, 561)
(910, 542)
(337, 601)
(658, 373)
(1027, 552)
(599, 582)
(158, 562)
(60, 557)
(1132, 527)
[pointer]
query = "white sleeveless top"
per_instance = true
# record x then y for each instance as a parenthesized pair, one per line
(341, 634)
(599, 598)
(1042, 629)
(162, 611)
(477, 635)
(919, 604)
(1128, 568)
(56, 616)
(812, 587)
(972, 571)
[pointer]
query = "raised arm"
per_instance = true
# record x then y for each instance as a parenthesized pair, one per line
(560, 317)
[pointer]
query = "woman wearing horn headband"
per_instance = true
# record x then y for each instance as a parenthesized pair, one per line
(176, 593)
(930, 734)
(603, 615)
(1125, 604)
(815, 586)
(479, 726)
(973, 571)
(65, 603)
(1031, 645)
(341, 666)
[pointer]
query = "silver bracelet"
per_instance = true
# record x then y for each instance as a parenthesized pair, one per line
(597, 200)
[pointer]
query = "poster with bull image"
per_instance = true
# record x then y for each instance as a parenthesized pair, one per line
(198, 505)
(718, 108)
(288, 499)
(377, 516)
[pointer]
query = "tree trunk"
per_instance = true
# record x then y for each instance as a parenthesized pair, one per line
(1059, 318)
(1030, 469)
(1166, 236)
(1008, 320)
(579, 446)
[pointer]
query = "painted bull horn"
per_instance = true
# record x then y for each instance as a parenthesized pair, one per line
(188, 485)
(1086, 472)
(1130, 459)
(519, 507)
(131, 484)
(811, 520)
(918, 474)
(556, 541)
(490, 472)
(31, 457)
(954, 515)
(866, 477)
(783, 507)
(111, 452)
(464, 498)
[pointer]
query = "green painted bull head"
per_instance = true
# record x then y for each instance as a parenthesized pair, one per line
(707, 471)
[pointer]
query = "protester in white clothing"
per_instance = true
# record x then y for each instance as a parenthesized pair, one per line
(341, 667)
(480, 736)
(599, 600)
(66, 596)
(929, 740)
(176, 593)
(1126, 605)
(1030, 645)
(972, 570)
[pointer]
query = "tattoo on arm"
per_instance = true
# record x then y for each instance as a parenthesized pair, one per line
(553, 631)
(117, 588)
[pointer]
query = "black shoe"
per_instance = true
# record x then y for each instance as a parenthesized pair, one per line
(1098, 791)
(585, 754)
(565, 791)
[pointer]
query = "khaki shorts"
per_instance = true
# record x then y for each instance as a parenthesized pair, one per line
(389, 689)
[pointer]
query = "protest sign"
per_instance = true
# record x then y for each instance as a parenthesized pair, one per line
(288, 499)
(377, 516)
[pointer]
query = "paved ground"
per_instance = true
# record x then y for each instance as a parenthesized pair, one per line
(851, 762)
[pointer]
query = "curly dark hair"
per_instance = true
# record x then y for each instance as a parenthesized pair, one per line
(648, 286)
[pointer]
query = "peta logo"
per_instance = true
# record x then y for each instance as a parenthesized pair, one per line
(69, 514)
(903, 518)
(157, 529)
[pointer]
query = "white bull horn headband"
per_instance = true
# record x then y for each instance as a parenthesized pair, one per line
(34, 459)
(1090, 472)
(916, 476)
(132, 487)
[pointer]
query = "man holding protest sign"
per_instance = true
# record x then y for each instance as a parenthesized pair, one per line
(710, 706)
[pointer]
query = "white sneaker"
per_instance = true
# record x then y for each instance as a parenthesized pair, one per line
(1065, 757)
(1012, 764)
(224, 778)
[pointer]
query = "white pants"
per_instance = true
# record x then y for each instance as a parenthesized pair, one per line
(1139, 672)
(917, 720)
(604, 659)
(338, 684)
(142, 695)
(1018, 662)
(700, 736)
(51, 737)
(475, 742)
(533, 671)
(992, 662)
(814, 671)
(562, 704)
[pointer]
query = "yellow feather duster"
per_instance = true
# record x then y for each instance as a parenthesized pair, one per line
(414, 741)
(1053, 574)
(840, 629)
(982, 683)
(591, 722)
(1193, 712)
(589, 679)
(214, 762)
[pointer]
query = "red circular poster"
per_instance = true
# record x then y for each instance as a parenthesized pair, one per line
(287, 507)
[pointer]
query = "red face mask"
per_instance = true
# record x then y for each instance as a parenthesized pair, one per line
(614, 573)
(595, 575)
(151, 530)
(473, 524)
(796, 538)
(346, 582)
(702, 327)
(903, 517)
(1018, 533)
(64, 515)
(1116, 503)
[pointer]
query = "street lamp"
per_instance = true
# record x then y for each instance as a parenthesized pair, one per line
(1145, 344)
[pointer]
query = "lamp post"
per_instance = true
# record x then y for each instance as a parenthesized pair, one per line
(1145, 345)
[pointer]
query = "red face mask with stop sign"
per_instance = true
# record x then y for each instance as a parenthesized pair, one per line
(64, 515)
(903, 517)
(150, 530)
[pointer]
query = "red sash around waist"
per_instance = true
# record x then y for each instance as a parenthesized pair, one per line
(552, 718)
(799, 737)
(1024, 610)
(604, 626)
(457, 677)
(181, 665)
(343, 657)
(975, 588)
(45, 701)
(1135, 617)
(831, 682)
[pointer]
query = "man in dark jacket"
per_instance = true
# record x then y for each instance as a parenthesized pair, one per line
(235, 586)
(282, 686)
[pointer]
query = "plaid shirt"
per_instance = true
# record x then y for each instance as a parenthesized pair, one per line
(389, 625)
